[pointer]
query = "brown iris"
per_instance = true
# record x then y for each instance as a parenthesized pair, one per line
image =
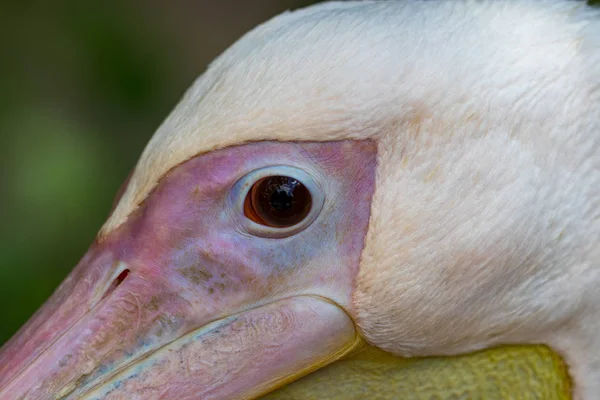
(277, 201)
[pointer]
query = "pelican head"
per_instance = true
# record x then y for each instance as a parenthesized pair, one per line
(422, 177)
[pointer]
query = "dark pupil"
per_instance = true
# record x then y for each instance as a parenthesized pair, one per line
(281, 200)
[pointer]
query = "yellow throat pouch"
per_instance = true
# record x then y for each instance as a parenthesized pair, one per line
(507, 372)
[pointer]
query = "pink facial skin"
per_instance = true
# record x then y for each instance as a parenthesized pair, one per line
(184, 260)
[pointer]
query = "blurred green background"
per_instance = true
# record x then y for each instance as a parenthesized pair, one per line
(83, 85)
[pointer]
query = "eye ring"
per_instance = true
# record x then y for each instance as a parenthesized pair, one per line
(243, 188)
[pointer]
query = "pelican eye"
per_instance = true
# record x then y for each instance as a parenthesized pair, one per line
(278, 201)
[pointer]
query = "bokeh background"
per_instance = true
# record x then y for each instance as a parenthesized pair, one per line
(83, 85)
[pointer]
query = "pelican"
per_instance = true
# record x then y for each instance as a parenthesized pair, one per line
(355, 200)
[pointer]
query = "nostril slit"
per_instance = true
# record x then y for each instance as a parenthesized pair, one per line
(116, 282)
(121, 277)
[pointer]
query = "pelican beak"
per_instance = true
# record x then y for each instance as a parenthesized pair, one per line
(179, 302)
(132, 339)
